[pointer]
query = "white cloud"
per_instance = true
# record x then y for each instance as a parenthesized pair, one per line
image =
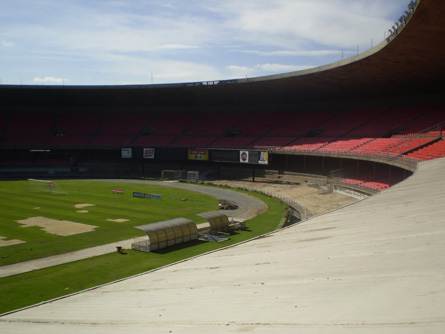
(177, 46)
(121, 41)
(287, 23)
(163, 70)
(241, 71)
(280, 68)
(7, 44)
(292, 53)
(264, 69)
(50, 80)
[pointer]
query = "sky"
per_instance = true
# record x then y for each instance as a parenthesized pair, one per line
(120, 42)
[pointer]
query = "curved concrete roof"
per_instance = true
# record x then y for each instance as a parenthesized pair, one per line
(412, 63)
(376, 266)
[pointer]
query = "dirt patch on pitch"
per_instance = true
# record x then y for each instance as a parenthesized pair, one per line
(58, 227)
(83, 205)
(4, 243)
(119, 220)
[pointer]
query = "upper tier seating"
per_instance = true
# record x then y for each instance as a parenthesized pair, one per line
(2, 122)
(433, 151)
(233, 142)
(70, 140)
(75, 129)
(127, 124)
(257, 124)
(214, 124)
(396, 145)
(345, 122)
(316, 131)
(273, 141)
(28, 129)
(307, 144)
(25, 140)
(430, 118)
(343, 145)
(154, 140)
(171, 124)
(118, 140)
(16, 160)
(203, 141)
(79, 124)
(391, 121)
(120, 129)
(30, 124)
(301, 123)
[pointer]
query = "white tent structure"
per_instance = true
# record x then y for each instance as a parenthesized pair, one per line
(170, 232)
(218, 222)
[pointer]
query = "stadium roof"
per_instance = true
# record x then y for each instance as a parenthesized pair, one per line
(412, 63)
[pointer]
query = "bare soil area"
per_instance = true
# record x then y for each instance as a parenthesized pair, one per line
(58, 227)
(309, 197)
(83, 205)
(4, 243)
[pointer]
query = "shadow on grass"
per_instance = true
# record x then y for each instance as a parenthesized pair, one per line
(195, 243)
(185, 245)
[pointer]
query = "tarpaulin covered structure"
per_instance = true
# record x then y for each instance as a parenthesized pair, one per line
(170, 232)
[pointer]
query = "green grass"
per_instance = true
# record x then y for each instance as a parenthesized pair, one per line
(16, 203)
(37, 286)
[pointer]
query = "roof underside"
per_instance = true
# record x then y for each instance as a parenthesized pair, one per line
(413, 63)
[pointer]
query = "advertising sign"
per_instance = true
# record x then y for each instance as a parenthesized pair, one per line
(198, 154)
(140, 195)
(149, 196)
(263, 159)
(127, 153)
(149, 153)
(244, 156)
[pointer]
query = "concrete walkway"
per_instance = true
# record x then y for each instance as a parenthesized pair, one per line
(23, 267)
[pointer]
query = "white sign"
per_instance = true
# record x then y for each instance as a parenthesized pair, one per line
(127, 153)
(244, 156)
(149, 153)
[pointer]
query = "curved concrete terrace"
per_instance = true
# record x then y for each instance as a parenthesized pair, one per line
(375, 266)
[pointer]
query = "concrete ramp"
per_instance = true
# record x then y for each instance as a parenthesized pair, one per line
(374, 267)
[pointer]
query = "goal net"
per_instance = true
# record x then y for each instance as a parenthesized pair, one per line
(192, 176)
(45, 186)
(172, 174)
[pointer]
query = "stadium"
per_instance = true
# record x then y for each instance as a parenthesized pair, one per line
(370, 126)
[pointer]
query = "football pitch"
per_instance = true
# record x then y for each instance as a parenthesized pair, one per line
(28, 219)
(36, 222)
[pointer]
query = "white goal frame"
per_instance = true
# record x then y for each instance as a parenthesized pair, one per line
(35, 185)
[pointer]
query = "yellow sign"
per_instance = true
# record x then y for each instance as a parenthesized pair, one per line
(198, 154)
(263, 158)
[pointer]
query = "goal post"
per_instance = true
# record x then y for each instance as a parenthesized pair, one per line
(49, 186)
(173, 174)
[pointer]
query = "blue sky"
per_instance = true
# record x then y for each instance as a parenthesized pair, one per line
(114, 42)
